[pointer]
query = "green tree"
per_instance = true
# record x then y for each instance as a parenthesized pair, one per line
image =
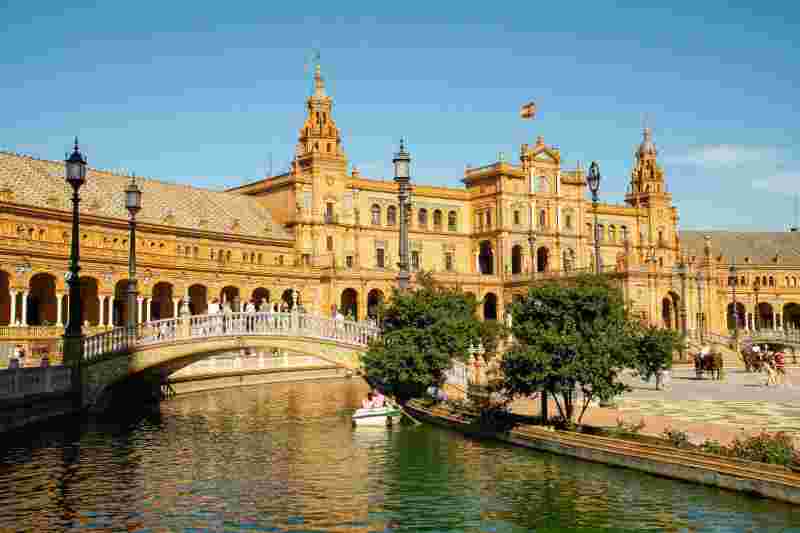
(569, 337)
(653, 351)
(423, 331)
(492, 333)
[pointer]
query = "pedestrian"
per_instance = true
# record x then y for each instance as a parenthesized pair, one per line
(780, 367)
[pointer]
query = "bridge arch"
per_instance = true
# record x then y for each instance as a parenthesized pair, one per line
(764, 316)
(90, 300)
(791, 316)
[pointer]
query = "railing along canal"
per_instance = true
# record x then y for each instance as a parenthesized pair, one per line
(243, 324)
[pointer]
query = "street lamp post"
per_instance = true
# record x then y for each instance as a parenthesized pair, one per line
(702, 315)
(733, 279)
(593, 180)
(75, 167)
(756, 321)
(133, 202)
(402, 175)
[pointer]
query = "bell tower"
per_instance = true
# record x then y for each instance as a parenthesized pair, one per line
(647, 178)
(319, 159)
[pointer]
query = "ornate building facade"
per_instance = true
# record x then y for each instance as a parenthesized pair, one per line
(330, 233)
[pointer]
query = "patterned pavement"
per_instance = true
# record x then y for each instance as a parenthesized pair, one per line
(740, 401)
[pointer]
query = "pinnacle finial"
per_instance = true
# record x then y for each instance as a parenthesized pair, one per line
(319, 83)
(76, 143)
(402, 144)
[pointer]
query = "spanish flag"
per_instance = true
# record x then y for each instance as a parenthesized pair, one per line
(528, 111)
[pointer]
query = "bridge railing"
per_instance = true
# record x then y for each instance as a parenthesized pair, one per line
(122, 339)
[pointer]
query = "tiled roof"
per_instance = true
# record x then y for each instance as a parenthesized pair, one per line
(759, 247)
(41, 183)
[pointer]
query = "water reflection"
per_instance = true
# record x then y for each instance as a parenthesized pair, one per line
(285, 458)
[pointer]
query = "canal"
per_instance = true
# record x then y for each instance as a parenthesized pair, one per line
(284, 457)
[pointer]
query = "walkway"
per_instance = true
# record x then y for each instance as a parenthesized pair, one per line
(705, 409)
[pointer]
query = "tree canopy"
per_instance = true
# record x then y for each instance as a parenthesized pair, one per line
(570, 337)
(423, 331)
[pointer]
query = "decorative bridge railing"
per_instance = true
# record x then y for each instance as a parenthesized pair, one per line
(122, 339)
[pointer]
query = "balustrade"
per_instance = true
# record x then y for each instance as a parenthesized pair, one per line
(229, 325)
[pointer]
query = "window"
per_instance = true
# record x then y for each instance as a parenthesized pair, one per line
(380, 258)
(306, 258)
(391, 216)
(660, 237)
(280, 260)
(422, 218)
(329, 243)
(415, 260)
(516, 218)
(624, 232)
(449, 262)
(568, 221)
(229, 256)
(542, 218)
(376, 215)
(349, 261)
(452, 223)
(329, 213)
(612, 233)
(541, 184)
(489, 219)
(437, 220)
(197, 251)
(260, 258)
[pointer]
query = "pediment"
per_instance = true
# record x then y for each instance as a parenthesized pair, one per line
(546, 155)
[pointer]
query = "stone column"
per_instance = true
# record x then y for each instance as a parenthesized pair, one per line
(24, 320)
(175, 307)
(147, 310)
(774, 320)
(139, 301)
(13, 319)
(59, 319)
(102, 299)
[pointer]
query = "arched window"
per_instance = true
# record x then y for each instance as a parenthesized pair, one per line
(612, 233)
(260, 258)
(228, 256)
(771, 281)
(391, 215)
(452, 221)
(516, 218)
(542, 218)
(329, 242)
(376, 215)
(196, 252)
(568, 219)
(624, 233)
(437, 220)
(422, 218)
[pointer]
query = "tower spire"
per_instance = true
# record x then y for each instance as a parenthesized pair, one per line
(319, 83)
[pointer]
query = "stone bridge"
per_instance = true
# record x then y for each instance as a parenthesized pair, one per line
(165, 346)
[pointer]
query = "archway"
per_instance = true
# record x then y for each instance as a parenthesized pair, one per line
(42, 308)
(5, 298)
(490, 306)
(260, 298)
(119, 305)
(674, 308)
(90, 301)
(349, 303)
(230, 295)
(288, 298)
(740, 316)
(516, 259)
(486, 258)
(162, 305)
(198, 299)
(375, 303)
(764, 316)
(542, 259)
(666, 312)
(791, 316)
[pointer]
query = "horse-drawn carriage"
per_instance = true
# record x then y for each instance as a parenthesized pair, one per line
(708, 361)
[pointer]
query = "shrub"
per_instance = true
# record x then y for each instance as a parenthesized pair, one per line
(713, 446)
(777, 448)
(678, 438)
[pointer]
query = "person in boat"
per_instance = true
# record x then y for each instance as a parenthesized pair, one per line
(367, 403)
(378, 399)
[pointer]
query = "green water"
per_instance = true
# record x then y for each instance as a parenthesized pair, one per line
(286, 458)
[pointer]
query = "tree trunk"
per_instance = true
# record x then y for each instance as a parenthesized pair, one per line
(658, 380)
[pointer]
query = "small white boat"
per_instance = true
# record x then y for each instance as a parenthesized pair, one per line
(376, 416)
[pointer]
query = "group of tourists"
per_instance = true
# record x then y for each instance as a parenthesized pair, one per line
(760, 359)
(251, 306)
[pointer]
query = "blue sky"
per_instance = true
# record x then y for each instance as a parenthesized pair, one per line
(204, 95)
